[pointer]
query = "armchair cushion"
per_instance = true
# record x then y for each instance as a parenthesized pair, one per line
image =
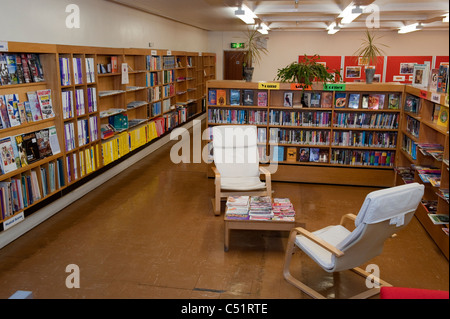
(241, 183)
(332, 235)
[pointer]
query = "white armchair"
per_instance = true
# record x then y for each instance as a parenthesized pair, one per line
(237, 171)
(335, 248)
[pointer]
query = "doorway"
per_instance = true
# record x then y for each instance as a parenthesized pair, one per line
(233, 69)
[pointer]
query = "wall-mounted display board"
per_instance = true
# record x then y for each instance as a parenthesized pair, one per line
(400, 68)
(388, 69)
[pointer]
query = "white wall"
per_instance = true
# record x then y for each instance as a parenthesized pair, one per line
(285, 47)
(103, 23)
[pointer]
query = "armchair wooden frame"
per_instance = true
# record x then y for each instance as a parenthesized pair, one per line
(220, 194)
(291, 248)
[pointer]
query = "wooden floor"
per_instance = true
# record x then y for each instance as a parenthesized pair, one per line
(150, 233)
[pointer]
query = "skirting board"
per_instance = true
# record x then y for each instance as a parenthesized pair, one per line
(48, 211)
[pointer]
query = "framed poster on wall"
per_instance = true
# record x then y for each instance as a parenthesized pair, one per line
(354, 69)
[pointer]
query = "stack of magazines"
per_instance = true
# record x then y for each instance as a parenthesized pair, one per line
(237, 207)
(260, 208)
(283, 209)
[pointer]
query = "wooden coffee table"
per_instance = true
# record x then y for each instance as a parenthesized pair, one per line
(254, 225)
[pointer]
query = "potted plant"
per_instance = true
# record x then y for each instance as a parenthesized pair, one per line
(307, 71)
(254, 51)
(369, 51)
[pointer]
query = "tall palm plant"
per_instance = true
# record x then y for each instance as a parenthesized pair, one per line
(370, 50)
(254, 52)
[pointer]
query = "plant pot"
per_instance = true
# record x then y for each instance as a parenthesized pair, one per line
(370, 73)
(248, 74)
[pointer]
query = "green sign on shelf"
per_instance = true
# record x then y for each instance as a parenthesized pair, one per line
(334, 87)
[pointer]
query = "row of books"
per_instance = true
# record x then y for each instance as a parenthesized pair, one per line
(152, 79)
(83, 132)
(302, 154)
(89, 161)
(248, 97)
(440, 115)
(153, 63)
(304, 118)
(22, 191)
(412, 104)
(226, 116)
(75, 69)
(68, 102)
(111, 67)
(365, 139)
(23, 149)
(412, 126)
(409, 146)
(259, 208)
(301, 137)
(373, 101)
(169, 62)
(366, 120)
(20, 68)
(166, 105)
(365, 158)
(14, 113)
(168, 76)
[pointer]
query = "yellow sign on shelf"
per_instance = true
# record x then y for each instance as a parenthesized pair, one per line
(268, 86)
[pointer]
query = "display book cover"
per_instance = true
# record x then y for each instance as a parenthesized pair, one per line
(23, 149)
(18, 69)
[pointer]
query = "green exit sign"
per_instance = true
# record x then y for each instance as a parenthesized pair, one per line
(237, 45)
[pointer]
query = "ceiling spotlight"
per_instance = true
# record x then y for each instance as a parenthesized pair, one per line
(411, 28)
(350, 13)
(245, 14)
(357, 10)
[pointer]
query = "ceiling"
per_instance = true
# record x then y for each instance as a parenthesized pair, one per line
(297, 15)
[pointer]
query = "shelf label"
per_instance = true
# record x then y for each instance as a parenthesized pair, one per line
(334, 86)
(13, 221)
(3, 46)
(268, 86)
(169, 52)
(423, 94)
(300, 86)
(436, 97)
(154, 52)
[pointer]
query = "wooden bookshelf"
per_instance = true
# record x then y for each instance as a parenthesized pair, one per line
(130, 84)
(419, 126)
(40, 168)
(321, 129)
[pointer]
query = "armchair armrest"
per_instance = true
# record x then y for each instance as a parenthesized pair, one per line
(351, 217)
(268, 175)
(322, 243)
(216, 175)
